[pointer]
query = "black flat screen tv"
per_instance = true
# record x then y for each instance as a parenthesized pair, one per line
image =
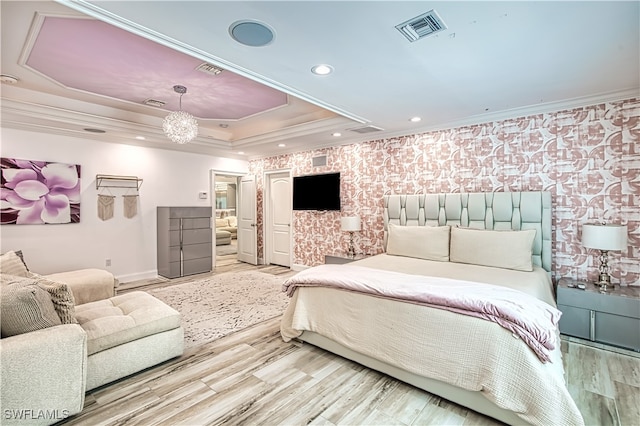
(316, 192)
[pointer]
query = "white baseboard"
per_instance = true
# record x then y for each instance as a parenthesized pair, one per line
(137, 276)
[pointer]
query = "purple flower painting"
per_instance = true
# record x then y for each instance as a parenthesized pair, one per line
(39, 192)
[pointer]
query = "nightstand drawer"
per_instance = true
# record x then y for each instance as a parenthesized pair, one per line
(575, 321)
(617, 330)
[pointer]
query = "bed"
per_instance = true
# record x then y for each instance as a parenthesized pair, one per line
(455, 241)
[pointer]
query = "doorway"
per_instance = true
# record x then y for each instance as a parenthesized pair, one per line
(225, 203)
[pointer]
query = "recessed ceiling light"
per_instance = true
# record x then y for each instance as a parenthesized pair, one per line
(322, 69)
(281, 145)
(140, 138)
(241, 152)
(336, 134)
(224, 125)
(415, 119)
(251, 33)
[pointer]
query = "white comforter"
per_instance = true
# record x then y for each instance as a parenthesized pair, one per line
(463, 351)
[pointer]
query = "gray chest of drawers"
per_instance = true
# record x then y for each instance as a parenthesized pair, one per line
(612, 318)
(184, 241)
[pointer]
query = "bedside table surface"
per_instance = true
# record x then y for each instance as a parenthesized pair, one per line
(626, 291)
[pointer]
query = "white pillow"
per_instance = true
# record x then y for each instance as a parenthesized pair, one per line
(499, 249)
(423, 242)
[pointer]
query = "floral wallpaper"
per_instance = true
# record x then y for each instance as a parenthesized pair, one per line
(588, 158)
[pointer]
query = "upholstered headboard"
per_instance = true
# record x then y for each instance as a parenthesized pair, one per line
(486, 210)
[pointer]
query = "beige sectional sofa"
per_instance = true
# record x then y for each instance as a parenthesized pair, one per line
(49, 364)
(228, 224)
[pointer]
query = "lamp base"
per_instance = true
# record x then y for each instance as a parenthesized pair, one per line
(604, 281)
(351, 253)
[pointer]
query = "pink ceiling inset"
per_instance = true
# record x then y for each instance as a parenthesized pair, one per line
(96, 57)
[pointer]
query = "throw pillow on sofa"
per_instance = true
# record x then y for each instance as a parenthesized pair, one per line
(25, 307)
(12, 263)
(61, 296)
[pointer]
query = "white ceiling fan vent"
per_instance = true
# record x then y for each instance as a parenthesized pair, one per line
(422, 26)
(154, 103)
(209, 69)
(366, 129)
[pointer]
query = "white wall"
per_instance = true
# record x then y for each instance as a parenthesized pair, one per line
(170, 178)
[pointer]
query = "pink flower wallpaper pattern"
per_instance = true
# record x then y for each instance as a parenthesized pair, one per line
(588, 158)
(39, 192)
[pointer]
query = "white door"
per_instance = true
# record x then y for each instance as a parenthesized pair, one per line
(247, 227)
(278, 220)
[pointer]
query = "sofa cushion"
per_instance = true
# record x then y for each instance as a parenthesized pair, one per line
(12, 264)
(87, 285)
(25, 306)
(221, 223)
(124, 318)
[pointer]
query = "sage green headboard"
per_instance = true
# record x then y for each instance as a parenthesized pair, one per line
(482, 210)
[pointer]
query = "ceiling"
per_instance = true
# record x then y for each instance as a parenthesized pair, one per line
(92, 65)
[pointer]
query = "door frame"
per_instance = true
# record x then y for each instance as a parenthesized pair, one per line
(212, 201)
(266, 209)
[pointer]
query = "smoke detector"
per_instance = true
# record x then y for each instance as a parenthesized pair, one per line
(422, 26)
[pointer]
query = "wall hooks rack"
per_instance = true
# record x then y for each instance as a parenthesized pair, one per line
(116, 181)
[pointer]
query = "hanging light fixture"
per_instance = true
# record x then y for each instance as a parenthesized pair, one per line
(180, 126)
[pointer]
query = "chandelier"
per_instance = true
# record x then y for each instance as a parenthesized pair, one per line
(180, 126)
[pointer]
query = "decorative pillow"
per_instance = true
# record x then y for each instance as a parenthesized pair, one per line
(12, 264)
(423, 242)
(233, 221)
(499, 249)
(25, 307)
(222, 223)
(62, 298)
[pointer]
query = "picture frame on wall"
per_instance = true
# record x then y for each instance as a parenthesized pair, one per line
(39, 192)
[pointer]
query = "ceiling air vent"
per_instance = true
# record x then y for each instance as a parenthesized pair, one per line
(422, 26)
(154, 103)
(366, 129)
(209, 69)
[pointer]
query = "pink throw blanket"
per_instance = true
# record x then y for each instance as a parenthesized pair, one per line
(533, 320)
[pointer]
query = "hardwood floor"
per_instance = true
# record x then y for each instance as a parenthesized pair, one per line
(252, 377)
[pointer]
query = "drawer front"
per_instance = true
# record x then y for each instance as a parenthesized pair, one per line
(197, 266)
(196, 223)
(196, 251)
(618, 330)
(575, 321)
(196, 236)
(178, 212)
(174, 238)
(174, 254)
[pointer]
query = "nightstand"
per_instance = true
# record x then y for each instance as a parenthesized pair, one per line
(340, 258)
(612, 318)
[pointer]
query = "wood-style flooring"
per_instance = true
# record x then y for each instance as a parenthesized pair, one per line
(252, 377)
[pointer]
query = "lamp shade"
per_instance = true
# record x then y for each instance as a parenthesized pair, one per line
(350, 223)
(604, 237)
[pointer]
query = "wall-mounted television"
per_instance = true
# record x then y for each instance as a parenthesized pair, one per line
(316, 192)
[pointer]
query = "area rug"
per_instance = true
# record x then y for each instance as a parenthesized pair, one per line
(219, 305)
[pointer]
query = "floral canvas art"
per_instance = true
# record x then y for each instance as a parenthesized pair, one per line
(39, 192)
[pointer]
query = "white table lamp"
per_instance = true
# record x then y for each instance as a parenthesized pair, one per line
(350, 224)
(604, 237)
